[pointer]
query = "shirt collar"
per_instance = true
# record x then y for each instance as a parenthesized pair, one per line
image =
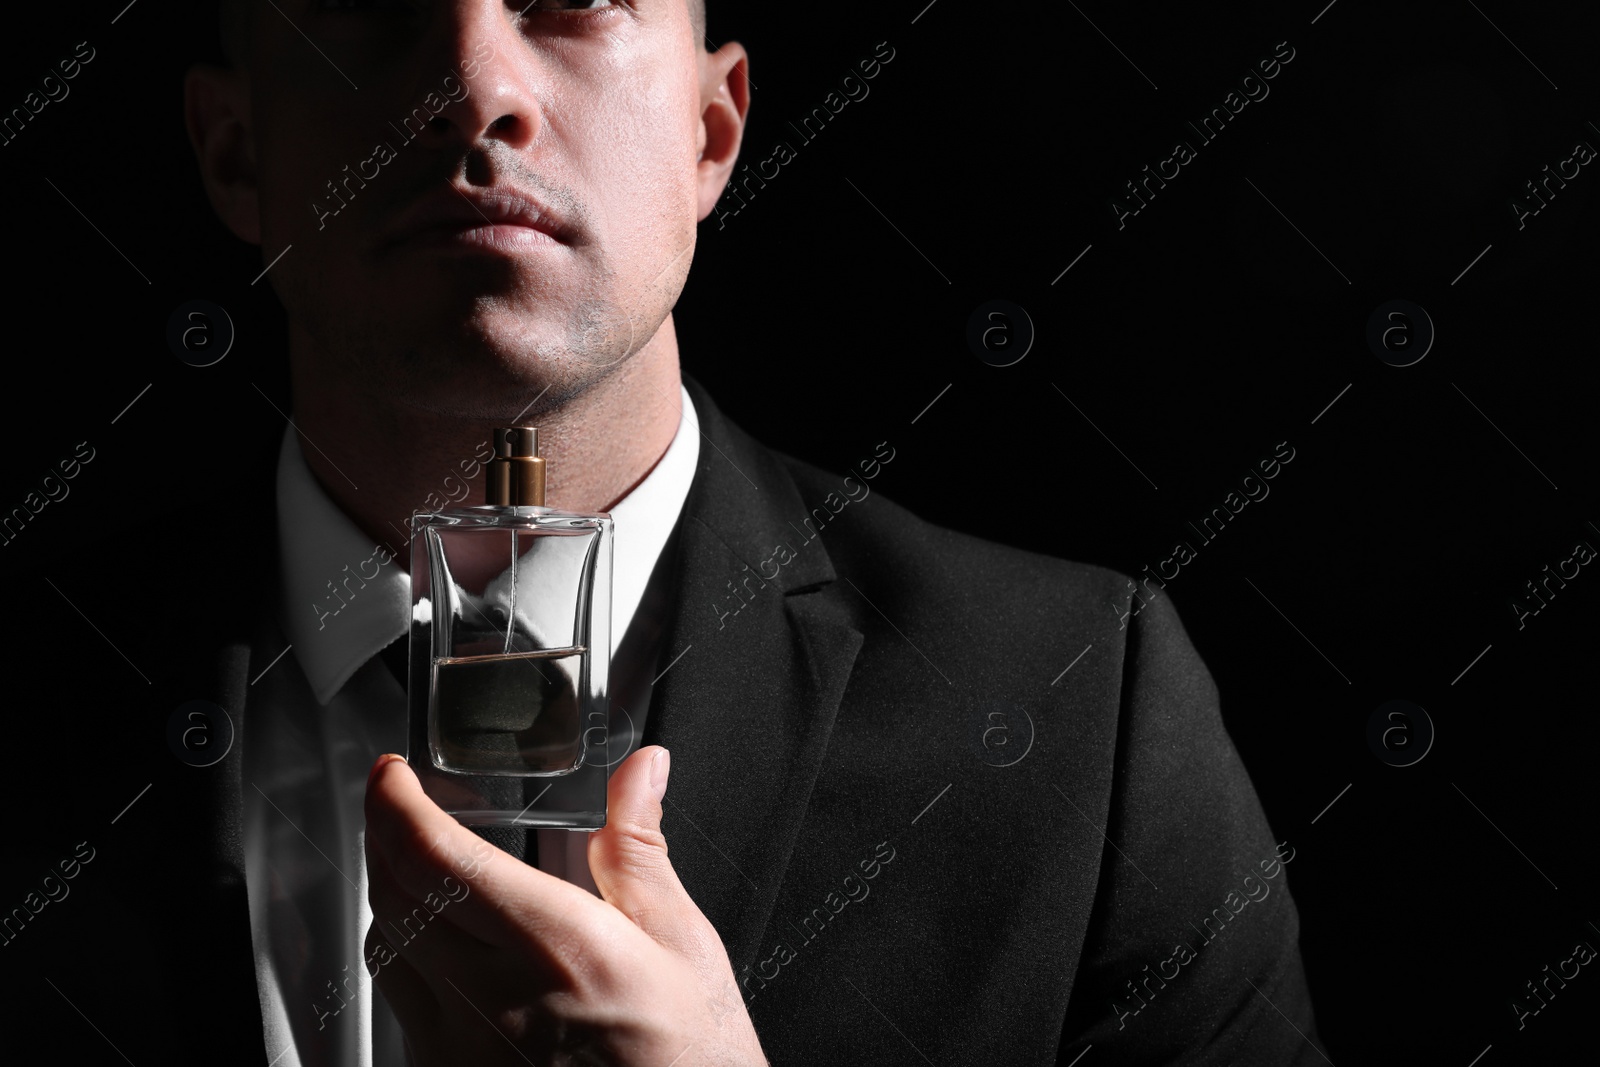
(343, 599)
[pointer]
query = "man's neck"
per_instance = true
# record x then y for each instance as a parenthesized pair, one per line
(380, 462)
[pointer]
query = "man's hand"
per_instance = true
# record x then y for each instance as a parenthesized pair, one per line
(500, 963)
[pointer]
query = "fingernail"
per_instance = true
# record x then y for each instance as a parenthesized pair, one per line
(381, 760)
(660, 767)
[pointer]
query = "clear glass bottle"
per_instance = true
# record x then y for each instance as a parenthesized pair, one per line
(510, 650)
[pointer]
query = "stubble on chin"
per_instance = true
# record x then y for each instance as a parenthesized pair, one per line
(482, 369)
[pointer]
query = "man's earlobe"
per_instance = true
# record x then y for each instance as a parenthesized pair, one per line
(216, 115)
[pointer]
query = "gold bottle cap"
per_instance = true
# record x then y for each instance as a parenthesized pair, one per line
(515, 476)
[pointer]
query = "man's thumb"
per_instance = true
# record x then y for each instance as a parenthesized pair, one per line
(628, 858)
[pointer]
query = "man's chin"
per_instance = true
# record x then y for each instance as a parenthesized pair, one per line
(485, 372)
(454, 279)
(446, 349)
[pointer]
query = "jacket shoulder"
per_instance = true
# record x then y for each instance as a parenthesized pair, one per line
(920, 565)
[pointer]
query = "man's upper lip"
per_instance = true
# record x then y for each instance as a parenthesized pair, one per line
(502, 206)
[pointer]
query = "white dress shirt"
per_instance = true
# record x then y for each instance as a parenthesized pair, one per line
(323, 711)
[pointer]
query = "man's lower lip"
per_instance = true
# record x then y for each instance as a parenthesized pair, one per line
(486, 238)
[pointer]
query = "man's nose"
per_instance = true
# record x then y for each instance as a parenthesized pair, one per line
(500, 76)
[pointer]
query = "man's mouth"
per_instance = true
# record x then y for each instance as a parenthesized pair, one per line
(499, 219)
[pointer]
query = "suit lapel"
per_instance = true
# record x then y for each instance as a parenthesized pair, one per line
(757, 655)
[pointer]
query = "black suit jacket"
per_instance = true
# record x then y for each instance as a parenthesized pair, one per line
(922, 839)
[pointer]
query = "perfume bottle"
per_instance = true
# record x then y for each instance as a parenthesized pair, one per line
(510, 649)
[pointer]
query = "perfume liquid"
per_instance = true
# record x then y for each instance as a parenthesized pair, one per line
(511, 713)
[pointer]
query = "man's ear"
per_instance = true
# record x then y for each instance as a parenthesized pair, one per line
(724, 104)
(216, 112)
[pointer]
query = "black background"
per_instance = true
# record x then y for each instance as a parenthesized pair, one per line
(829, 313)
